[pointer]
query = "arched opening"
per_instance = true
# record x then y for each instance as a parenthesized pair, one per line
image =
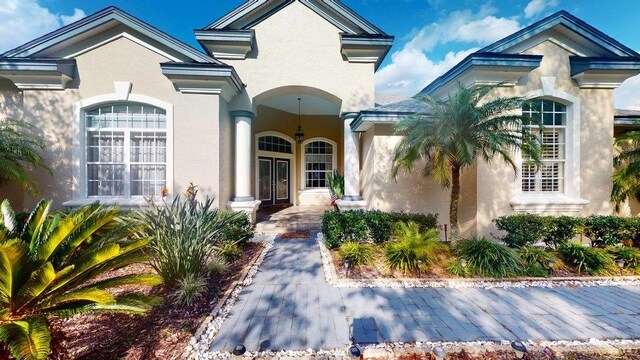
(278, 114)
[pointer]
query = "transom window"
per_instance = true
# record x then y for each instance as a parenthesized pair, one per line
(126, 150)
(275, 144)
(318, 157)
(549, 177)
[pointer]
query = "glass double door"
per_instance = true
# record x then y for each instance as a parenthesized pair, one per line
(273, 180)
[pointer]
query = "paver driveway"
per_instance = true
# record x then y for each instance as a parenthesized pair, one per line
(289, 306)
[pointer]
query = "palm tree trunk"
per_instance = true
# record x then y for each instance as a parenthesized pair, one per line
(453, 206)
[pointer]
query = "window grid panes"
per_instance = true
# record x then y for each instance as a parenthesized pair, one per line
(126, 150)
(549, 177)
(318, 157)
(275, 144)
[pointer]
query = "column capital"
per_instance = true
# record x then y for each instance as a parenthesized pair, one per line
(348, 116)
(243, 113)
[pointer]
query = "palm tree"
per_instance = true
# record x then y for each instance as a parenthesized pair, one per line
(55, 265)
(626, 176)
(457, 131)
(19, 147)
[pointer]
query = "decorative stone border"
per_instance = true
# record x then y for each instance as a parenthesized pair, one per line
(386, 350)
(331, 276)
(199, 343)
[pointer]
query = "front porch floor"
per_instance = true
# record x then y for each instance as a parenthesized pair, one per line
(278, 219)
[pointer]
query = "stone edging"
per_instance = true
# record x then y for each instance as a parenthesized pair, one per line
(474, 347)
(208, 329)
(331, 276)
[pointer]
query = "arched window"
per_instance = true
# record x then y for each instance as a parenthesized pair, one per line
(319, 160)
(549, 178)
(274, 144)
(126, 150)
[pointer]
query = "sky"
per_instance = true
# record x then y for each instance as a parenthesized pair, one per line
(431, 35)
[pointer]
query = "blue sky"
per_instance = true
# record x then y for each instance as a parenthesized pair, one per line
(431, 35)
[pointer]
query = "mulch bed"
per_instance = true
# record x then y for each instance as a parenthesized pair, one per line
(163, 333)
(295, 235)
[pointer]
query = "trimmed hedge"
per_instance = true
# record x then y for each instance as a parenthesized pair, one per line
(603, 230)
(339, 227)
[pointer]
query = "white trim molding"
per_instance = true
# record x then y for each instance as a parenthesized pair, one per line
(79, 184)
(569, 200)
(292, 157)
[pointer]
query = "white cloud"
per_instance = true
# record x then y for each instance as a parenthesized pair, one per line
(535, 7)
(411, 69)
(25, 20)
(627, 96)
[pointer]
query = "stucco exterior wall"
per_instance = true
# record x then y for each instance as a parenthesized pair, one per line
(496, 185)
(329, 127)
(196, 128)
(411, 191)
(297, 47)
(10, 108)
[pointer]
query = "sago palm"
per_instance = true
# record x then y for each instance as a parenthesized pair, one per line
(456, 132)
(413, 246)
(19, 148)
(49, 266)
(626, 176)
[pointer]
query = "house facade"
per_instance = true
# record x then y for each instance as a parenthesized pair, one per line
(281, 95)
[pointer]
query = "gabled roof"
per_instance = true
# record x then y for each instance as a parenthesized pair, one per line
(102, 17)
(253, 12)
(570, 22)
(618, 57)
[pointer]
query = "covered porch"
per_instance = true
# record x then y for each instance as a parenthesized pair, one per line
(286, 148)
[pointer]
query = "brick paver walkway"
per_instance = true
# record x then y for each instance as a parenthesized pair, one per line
(289, 306)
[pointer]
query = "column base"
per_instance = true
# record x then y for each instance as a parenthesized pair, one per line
(346, 205)
(249, 207)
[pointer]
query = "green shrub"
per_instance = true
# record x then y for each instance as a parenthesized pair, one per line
(631, 256)
(424, 221)
(561, 229)
(355, 253)
(522, 229)
(605, 230)
(535, 261)
(584, 258)
(455, 268)
(183, 236)
(189, 290)
(238, 229)
(360, 226)
(412, 246)
(229, 251)
(380, 225)
(487, 258)
(333, 228)
(57, 265)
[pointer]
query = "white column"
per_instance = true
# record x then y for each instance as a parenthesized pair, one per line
(243, 155)
(352, 198)
(242, 199)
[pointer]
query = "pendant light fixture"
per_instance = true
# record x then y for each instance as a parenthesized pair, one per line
(299, 133)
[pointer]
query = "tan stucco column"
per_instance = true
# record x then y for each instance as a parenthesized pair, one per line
(352, 199)
(242, 200)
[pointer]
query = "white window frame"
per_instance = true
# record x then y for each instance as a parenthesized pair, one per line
(303, 172)
(538, 178)
(570, 200)
(79, 177)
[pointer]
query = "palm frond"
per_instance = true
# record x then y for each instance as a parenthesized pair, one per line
(27, 339)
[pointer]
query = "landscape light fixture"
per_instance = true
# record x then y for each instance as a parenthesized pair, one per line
(439, 353)
(346, 267)
(519, 348)
(239, 350)
(463, 262)
(620, 263)
(355, 352)
(552, 264)
(299, 134)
